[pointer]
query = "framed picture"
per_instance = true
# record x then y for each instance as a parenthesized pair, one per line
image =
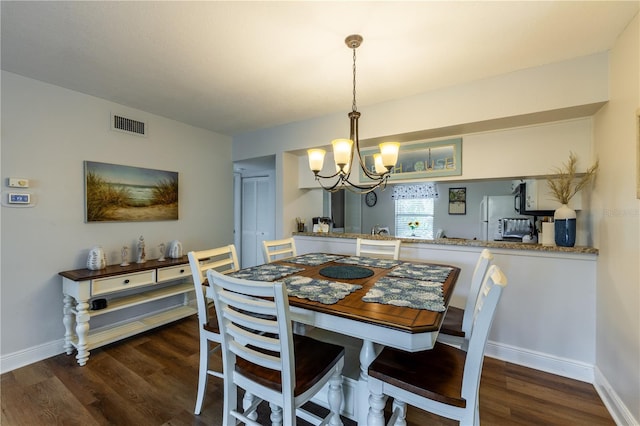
(116, 193)
(457, 200)
(420, 160)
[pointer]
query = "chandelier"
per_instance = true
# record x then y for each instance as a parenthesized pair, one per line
(346, 151)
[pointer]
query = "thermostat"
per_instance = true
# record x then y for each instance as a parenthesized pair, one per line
(15, 198)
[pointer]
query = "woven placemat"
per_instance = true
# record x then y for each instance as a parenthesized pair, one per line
(323, 291)
(346, 272)
(267, 272)
(422, 271)
(314, 259)
(407, 292)
(369, 261)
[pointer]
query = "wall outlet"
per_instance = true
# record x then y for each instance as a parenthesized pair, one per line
(15, 198)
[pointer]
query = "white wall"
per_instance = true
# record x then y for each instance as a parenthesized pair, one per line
(47, 133)
(581, 81)
(616, 211)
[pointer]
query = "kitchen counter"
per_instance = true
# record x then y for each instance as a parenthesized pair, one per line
(459, 242)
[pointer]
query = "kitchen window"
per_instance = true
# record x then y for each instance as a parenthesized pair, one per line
(414, 217)
(414, 206)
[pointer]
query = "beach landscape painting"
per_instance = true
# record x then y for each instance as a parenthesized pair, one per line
(117, 193)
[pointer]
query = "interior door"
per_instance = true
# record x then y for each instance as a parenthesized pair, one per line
(258, 222)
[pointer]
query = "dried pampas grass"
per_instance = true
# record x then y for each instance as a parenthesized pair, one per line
(565, 183)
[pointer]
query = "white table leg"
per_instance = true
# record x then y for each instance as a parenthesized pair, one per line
(82, 330)
(68, 319)
(367, 355)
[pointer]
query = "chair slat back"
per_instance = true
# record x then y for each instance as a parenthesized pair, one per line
(278, 249)
(482, 266)
(255, 324)
(483, 314)
(384, 249)
(222, 259)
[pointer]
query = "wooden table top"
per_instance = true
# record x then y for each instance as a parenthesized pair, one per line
(353, 307)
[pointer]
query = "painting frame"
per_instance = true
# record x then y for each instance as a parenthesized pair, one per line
(420, 160)
(458, 201)
(121, 193)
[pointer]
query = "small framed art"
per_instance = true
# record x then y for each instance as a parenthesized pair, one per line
(457, 200)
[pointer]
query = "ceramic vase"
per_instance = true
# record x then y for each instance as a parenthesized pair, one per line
(564, 219)
(175, 249)
(97, 259)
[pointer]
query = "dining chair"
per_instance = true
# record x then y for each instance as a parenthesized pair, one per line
(386, 249)
(225, 260)
(278, 249)
(261, 354)
(457, 321)
(444, 380)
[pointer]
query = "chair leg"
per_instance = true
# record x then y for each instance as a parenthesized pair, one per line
(399, 410)
(230, 403)
(202, 375)
(247, 401)
(335, 396)
(276, 415)
(377, 402)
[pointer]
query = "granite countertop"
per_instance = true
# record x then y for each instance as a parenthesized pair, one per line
(459, 242)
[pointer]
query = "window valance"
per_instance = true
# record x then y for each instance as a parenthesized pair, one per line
(421, 190)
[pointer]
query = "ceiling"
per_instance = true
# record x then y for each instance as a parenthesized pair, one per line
(239, 66)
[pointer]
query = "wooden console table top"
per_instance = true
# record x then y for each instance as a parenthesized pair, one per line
(112, 270)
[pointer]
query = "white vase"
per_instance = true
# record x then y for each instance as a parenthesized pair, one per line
(97, 259)
(175, 249)
(564, 219)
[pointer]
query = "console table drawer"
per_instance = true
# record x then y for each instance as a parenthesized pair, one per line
(122, 282)
(173, 272)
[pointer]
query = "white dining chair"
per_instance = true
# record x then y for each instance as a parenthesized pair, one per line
(384, 249)
(225, 260)
(444, 380)
(262, 355)
(457, 321)
(278, 249)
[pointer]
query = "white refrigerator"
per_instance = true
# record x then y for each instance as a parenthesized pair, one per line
(495, 207)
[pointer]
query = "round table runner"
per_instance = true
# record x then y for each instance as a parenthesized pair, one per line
(346, 272)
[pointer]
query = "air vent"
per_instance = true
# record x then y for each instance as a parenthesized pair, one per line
(128, 125)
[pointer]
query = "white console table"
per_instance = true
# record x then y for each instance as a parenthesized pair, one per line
(123, 287)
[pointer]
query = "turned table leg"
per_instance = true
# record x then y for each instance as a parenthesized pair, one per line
(68, 320)
(82, 330)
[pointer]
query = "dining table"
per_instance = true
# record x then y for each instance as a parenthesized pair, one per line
(380, 302)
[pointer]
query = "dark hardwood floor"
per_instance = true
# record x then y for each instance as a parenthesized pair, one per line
(151, 379)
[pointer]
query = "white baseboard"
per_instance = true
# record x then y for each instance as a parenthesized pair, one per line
(31, 355)
(542, 361)
(620, 413)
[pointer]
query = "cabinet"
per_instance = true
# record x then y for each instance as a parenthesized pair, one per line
(123, 287)
(539, 196)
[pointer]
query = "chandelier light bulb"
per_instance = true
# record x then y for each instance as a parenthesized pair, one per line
(380, 168)
(389, 153)
(316, 159)
(342, 151)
